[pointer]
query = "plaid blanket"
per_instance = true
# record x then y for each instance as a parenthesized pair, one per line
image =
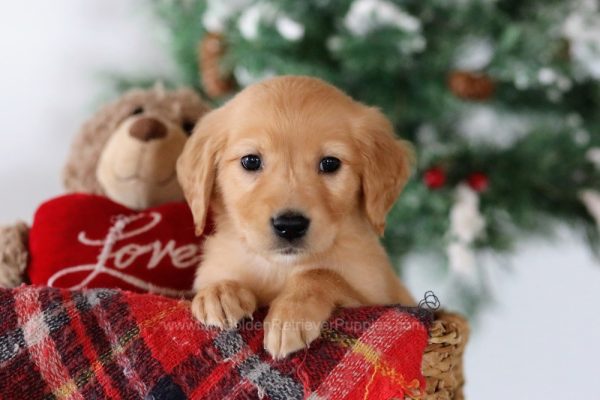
(97, 344)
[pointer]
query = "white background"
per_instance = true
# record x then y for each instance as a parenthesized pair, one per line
(540, 339)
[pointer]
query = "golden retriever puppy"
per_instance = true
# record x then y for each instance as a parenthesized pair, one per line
(299, 178)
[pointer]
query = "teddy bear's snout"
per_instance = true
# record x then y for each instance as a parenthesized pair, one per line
(147, 129)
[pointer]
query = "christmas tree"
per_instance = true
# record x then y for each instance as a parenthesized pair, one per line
(499, 97)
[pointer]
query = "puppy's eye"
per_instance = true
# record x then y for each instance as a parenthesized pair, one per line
(188, 127)
(328, 165)
(251, 162)
(137, 110)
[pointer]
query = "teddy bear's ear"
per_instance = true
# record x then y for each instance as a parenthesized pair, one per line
(197, 165)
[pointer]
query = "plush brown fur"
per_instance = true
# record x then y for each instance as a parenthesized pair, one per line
(177, 106)
(103, 147)
(293, 122)
(13, 254)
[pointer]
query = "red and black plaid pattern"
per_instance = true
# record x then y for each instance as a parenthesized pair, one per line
(97, 344)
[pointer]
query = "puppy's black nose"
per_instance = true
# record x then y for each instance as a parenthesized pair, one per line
(290, 225)
(147, 129)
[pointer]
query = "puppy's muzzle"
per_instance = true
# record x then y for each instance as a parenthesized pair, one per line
(290, 225)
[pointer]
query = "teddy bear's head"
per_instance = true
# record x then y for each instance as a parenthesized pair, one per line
(128, 150)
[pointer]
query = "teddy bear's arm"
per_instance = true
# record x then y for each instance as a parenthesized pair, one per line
(14, 254)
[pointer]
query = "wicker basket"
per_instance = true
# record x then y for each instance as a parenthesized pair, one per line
(443, 358)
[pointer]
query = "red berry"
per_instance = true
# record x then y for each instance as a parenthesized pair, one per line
(434, 178)
(478, 181)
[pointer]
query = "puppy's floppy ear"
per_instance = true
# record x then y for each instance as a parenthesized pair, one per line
(387, 164)
(197, 165)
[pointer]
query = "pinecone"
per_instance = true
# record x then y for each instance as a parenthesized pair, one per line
(216, 82)
(471, 85)
(564, 51)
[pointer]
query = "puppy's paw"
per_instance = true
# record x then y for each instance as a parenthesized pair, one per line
(291, 325)
(223, 304)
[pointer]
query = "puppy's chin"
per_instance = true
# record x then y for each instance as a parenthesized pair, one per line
(289, 254)
(284, 255)
(287, 257)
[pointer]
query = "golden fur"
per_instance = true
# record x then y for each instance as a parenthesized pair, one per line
(293, 122)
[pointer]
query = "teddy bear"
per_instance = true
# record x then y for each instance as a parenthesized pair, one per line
(122, 161)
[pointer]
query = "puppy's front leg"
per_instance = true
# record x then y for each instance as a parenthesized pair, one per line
(223, 304)
(307, 300)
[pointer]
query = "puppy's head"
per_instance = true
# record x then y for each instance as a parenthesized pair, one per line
(291, 164)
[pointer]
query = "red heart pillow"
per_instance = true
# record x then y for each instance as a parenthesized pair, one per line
(83, 240)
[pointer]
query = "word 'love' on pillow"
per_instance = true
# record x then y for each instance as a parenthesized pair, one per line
(88, 241)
